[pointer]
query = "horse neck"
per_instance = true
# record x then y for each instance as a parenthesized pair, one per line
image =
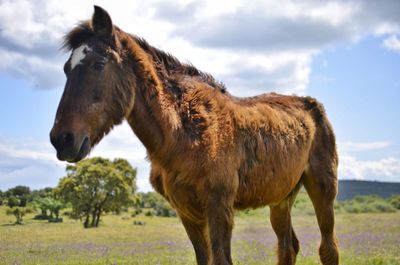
(153, 117)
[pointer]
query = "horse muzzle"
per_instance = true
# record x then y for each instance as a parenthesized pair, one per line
(70, 147)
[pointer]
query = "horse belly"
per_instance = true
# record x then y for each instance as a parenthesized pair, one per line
(264, 185)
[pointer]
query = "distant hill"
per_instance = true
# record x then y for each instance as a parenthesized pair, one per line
(350, 188)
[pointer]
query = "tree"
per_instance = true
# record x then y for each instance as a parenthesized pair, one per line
(12, 201)
(163, 208)
(160, 207)
(55, 207)
(18, 212)
(48, 205)
(150, 199)
(41, 193)
(22, 193)
(41, 204)
(19, 191)
(97, 185)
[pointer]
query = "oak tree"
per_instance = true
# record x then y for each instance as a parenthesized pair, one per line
(97, 185)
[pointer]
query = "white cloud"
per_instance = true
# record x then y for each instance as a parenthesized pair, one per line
(27, 149)
(30, 38)
(219, 37)
(252, 46)
(392, 43)
(28, 162)
(385, 169)
(364, 146)
(33, 162)
(380, 169)
(285, 72)
(288, 25)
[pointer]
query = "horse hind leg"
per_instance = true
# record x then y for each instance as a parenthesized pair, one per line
(321, 185)
(288, 244)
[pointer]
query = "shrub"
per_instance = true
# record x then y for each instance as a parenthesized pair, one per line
(41, 217)
(394, 201)
(155, 201)
(56, 220)
(136, 211)
(18, 212)
(365, 204)
(149, 213)
(164, 209)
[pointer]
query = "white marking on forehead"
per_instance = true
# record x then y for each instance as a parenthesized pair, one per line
(79, 54)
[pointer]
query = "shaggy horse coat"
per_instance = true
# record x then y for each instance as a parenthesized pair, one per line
(210, 152)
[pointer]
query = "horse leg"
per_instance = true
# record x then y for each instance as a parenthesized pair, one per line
(322, 189)
(220, 215)
(197, 233)
(288, 244)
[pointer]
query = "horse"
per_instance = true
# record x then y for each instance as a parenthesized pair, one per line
(211, 153)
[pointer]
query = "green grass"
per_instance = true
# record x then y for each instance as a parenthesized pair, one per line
(365, 239)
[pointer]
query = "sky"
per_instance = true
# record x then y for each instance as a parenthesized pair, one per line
(344, 53)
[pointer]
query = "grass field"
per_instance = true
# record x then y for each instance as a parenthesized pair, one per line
(365, 239)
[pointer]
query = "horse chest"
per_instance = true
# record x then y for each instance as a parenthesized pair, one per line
(181, 194)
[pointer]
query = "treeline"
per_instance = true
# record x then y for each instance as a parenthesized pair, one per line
(98, 186)
(22, 200)
(20, 196)
(43, 202)
(153, 204)
(358, 204)
(90, 189)
(46, 206)
(369, 204)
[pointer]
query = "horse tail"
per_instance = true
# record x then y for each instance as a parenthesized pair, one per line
(317, 110)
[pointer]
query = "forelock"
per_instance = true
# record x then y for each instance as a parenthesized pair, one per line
(78, 36)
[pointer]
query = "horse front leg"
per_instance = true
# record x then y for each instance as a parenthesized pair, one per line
(220, 214)
(198, 235)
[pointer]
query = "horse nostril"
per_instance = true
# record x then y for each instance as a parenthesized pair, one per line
(66, 139)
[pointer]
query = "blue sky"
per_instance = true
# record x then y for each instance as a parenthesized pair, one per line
(360, 87)
(26, 111)
(349, 62)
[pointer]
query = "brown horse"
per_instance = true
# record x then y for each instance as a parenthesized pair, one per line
(210, 152)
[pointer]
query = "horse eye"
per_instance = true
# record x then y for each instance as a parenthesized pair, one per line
(99, 65)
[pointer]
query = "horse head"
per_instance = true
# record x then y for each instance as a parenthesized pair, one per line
(97, 93)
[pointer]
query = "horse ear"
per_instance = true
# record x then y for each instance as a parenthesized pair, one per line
(101, 21)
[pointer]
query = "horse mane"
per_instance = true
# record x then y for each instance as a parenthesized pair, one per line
(84, 32)
(173, 65)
